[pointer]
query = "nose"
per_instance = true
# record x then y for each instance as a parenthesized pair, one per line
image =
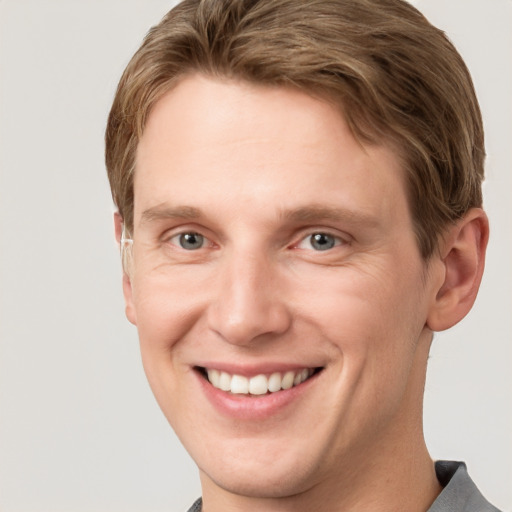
(249, 303)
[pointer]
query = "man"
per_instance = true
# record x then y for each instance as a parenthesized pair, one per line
(299, 196)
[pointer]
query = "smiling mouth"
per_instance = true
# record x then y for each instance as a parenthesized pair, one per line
(258, 384)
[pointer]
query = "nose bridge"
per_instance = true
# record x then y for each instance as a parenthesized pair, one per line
(248, 303)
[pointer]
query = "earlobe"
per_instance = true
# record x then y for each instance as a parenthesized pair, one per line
(127, 285)
(462, 256)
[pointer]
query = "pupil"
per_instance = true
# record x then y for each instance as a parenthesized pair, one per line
(191, 241)
(322, 242)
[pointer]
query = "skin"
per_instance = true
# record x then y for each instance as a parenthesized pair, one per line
(256, 171)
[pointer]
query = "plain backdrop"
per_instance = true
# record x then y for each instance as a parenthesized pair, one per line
(79, 428)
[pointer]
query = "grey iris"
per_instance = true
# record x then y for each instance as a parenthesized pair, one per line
(191, 241)
(322, 241)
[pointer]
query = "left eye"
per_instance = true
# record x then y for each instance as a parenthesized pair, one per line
(319, 242)
(188, 241)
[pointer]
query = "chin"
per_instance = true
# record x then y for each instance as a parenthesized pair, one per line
(262, 484)
(261, 473)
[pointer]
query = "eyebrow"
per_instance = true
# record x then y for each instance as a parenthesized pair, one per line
(163, 212)
(309, 213)
(317, 213)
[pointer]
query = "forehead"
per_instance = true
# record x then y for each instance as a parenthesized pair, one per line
(267, 146)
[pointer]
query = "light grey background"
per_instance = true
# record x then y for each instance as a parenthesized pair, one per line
(79, 428)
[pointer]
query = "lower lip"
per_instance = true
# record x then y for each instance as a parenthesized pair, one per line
(250, 407)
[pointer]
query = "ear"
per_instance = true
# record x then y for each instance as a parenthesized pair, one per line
(127, 285)
(462, 258)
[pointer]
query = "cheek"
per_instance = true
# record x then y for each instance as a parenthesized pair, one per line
(164, 317)
(364, 299)
(167, 306)
(376, 333)
(373, 320)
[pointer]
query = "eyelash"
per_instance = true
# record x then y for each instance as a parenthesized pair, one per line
(337, 240)
(185, 233)
(320, 234)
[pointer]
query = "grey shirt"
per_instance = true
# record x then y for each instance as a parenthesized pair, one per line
(460, 494)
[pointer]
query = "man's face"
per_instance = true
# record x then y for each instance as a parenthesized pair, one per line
(271, 247)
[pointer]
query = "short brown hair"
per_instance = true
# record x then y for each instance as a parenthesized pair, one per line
(397, 79)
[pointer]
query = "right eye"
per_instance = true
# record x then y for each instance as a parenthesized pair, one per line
(189, 241)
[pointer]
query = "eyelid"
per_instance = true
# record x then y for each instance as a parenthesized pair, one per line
(183, 230)
(342, 238)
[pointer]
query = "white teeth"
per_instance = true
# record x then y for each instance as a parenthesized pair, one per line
(224, 381)
(259, 384)
(213, 377)
(239, 384)
(288, 379)
(274, 382)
